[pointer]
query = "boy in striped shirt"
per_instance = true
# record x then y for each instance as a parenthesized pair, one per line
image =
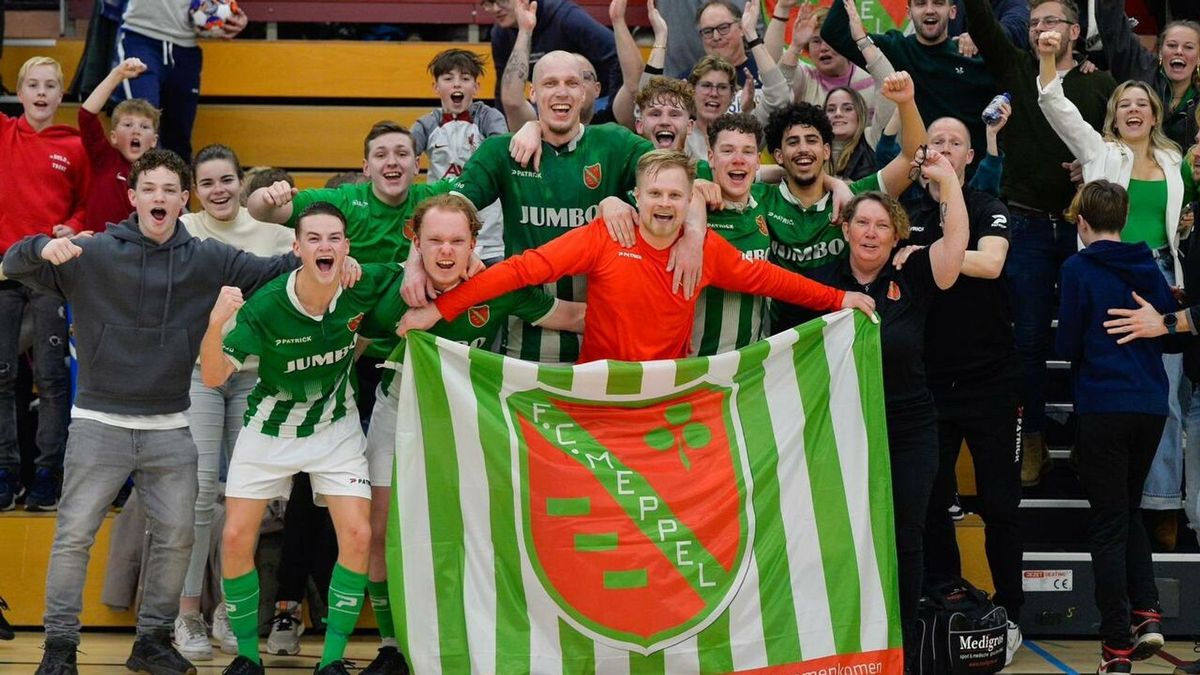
(301, 328)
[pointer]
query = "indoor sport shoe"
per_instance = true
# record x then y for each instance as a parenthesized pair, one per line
(1114, 660)
(1146, 631)
(153, 653)
(6, 631)
(389, 661)
(58, 659)
(223, 631)
(1013, 643)
(191, 637)
(243, 666)
(10, 489)
(43, 494)
(339, 667)
(286, 629)
(956, 510)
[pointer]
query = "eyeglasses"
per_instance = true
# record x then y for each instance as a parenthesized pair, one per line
(721, 29)
(919, 160)
(708, 87)
(1049, 22)
(489, 4)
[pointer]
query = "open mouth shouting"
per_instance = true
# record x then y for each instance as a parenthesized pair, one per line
(393, 176)
(445, 264)
(457, 98)
(159, 215)
(561, 112)
(805, 161)
(738, 177)
(664, 139)
(1177, 67)
(324, 263)
(1134, 122)
(664, 217)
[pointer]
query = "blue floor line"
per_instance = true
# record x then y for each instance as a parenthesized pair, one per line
(1050, 658)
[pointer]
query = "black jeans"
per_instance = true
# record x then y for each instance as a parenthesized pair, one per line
(1114, 452)
(912, 441)
(50, 374)
(993, 435)
(309, 544)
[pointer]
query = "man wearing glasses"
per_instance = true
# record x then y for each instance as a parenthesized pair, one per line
(561, 25)
(1037, 186)
(719, 25)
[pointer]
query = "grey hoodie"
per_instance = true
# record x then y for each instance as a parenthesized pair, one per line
(140, 309)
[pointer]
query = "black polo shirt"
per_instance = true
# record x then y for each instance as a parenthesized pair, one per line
(902, 299)
(969, 345)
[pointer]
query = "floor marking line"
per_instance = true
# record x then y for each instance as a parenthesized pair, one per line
(1050, 658)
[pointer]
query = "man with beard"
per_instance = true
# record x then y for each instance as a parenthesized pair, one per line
(1037, 187)
(800, 209)
(952, 85)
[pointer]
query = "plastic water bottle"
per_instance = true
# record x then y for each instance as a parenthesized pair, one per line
(991, 114)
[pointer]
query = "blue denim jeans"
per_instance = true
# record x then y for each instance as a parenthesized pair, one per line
(1037, 249)
(1162, 490)
(50, 374)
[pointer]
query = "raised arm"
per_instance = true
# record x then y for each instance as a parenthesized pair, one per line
(880, 68)
(776, 34)
(776, 93)
(215, 366)
(630, 58)
(516, 70)
(899, 88)
(836, 31)
(125, 70)
(946, 254)
(272, 204)
(1080, 138)
(1127, 58)
(998, 53)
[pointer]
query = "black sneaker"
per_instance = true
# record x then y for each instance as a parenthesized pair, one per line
(1146, 630)
(389, 661)
(6, 631)
(1113, 660)
(243, 666)
(43, 496)
(339, 667)
(10, 488)
(58, 659)
(154, 654)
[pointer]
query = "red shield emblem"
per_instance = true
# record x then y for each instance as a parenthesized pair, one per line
(409, 233)
(893, 291)
(354, 322)
(620, 521)
(762, 225)
(479, 315)
(592, 175)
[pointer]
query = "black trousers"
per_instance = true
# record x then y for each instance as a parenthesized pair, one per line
(1114, 452)
(309, 544)
(912, 441)
(992, 430)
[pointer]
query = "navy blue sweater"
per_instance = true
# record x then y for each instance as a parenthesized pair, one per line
(1108, 377)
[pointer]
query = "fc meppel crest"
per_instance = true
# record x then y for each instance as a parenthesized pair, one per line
(354, 322)
(592, 175)
(479, 315)
(619, 523)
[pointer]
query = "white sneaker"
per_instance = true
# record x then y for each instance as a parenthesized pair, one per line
(1013, 644)
(222, 631)
(286, 629)
(191, 637)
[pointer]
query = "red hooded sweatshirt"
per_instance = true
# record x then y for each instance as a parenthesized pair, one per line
(43, 179)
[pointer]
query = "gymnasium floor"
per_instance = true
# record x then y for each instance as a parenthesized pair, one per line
(106, 652)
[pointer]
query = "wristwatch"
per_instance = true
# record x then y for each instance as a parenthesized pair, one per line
(1170, 321)
(751, 44)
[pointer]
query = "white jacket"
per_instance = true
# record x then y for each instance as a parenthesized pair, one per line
(1112, 160)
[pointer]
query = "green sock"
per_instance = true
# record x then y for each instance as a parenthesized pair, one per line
(383, 608)
(241, 602)
(345, 600)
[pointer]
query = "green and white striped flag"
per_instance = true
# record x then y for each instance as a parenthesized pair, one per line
(709, 515)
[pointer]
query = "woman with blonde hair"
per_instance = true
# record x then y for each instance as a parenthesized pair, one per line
(853, 157)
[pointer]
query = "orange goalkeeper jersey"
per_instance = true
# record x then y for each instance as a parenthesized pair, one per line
(632, 315)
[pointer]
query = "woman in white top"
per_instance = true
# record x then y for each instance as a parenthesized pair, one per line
(215, 415)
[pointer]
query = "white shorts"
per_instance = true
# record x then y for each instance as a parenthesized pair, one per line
(381, 439)
(334, 458)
